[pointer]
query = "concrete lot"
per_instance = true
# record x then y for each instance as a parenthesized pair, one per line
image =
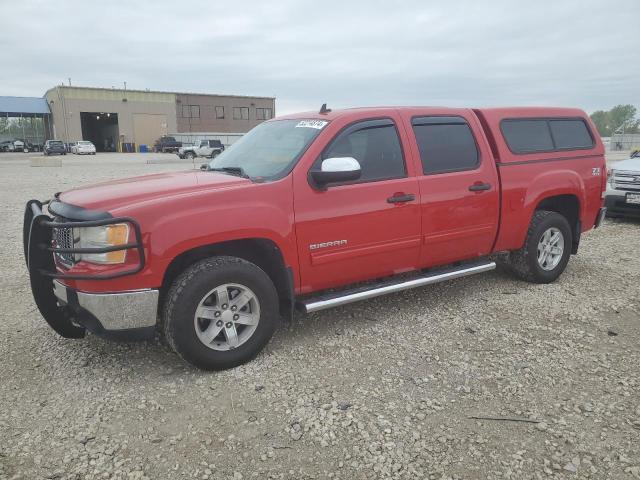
(380, 389)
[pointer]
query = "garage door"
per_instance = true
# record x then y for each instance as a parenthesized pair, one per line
(147, 128)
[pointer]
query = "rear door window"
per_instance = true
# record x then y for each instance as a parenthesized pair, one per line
(446, 144)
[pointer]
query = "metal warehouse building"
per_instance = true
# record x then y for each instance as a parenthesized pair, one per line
(111, 118)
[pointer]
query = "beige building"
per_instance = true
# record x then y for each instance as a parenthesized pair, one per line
(111, 118)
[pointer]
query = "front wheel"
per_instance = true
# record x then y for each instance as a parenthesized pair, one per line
(546, 250)
(220, 313)
(189, 155)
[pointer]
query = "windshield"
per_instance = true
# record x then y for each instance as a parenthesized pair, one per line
(269, 150)
(85, 143)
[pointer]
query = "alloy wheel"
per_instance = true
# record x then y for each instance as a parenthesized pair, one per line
(550, 248)
(227, 317)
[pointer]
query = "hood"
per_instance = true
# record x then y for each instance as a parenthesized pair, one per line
(115, 194)
(630, 164)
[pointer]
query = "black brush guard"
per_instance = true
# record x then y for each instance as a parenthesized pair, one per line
(39, 254)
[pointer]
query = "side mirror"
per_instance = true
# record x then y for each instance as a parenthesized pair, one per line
(335, 170)
(204, 167)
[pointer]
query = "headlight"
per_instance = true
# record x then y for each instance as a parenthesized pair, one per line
(101, 237)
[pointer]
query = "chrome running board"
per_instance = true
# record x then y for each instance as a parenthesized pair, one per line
(335, 299)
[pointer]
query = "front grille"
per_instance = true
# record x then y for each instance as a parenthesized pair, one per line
(63, 238)
(624, 180)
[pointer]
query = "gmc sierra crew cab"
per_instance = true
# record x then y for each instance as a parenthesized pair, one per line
(312, 211)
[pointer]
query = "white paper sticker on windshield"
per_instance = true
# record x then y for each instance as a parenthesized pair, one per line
(319, 124)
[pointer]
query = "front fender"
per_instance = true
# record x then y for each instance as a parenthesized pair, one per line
(258, 211)
(181, 222)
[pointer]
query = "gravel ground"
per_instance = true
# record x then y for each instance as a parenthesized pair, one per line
(379, 389)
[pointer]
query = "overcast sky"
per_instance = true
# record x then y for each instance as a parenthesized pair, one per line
(580, 53)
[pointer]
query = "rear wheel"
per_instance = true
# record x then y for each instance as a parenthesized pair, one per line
(220, 313)
(189, 156)
(546, 250)
(215, 153)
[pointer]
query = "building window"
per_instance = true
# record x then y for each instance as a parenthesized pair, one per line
(241, 113)
(191, 111)
(219, 112)
(264, 113)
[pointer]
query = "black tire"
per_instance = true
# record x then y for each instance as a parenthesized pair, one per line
(189, 156)
(189, 288)
(524, 262)
(214, 154)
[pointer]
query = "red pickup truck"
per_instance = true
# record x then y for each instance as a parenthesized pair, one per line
(313, 211)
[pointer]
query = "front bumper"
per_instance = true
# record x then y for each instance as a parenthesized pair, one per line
(617, 206)
(121, 315)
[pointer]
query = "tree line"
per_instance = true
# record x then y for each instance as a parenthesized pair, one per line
(620, 118)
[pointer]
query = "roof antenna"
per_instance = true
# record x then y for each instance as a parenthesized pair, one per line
(324, 109)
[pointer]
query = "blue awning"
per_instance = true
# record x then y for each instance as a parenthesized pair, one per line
(26, 105)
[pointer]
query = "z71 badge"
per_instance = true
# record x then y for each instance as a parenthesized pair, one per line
(335, 243)
(595, 172)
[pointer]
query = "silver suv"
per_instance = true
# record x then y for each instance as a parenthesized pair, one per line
(622, 197)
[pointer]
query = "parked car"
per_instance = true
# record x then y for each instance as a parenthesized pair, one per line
(622, 197)
(207, 148)
(305, 206)
(27, 146)
(166, 144)
(83, 147)
(12, 146)
(54, 146)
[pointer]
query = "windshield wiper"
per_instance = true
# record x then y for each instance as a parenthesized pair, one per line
(238, 171)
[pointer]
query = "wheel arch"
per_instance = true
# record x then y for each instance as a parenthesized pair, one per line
(263, 252)
(568, 205)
